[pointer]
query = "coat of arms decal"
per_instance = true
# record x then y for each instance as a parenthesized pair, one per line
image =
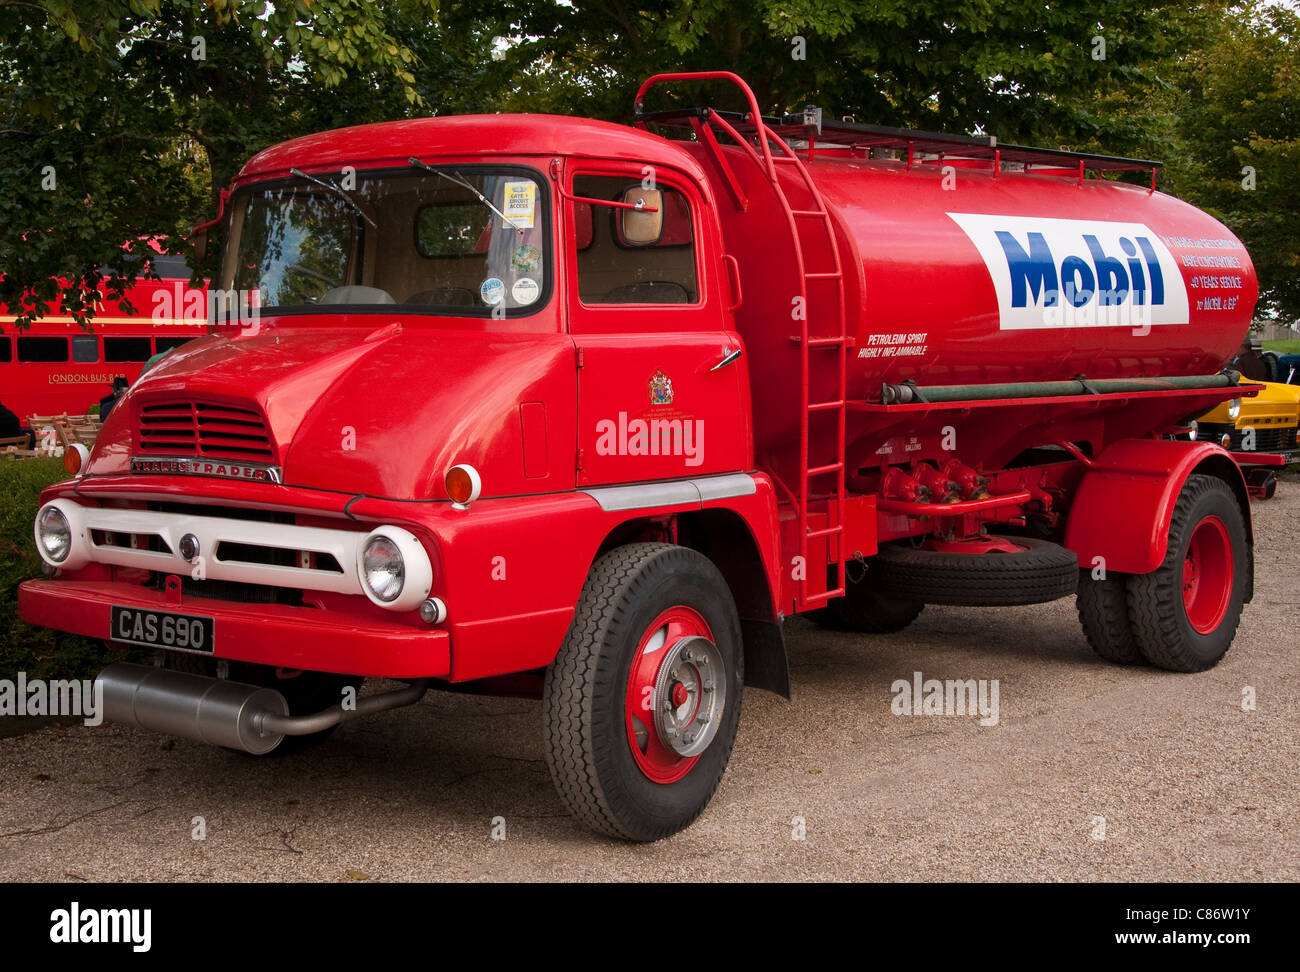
(661, 389)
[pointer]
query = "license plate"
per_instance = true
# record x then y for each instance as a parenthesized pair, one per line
(162, 629)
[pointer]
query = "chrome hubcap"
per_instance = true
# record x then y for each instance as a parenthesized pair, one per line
(690, 693)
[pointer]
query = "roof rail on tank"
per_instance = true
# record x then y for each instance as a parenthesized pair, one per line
(810, 127)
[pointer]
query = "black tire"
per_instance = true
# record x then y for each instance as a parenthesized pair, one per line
(865, 607)
(1041, 571)
(306, 694)
(1103, 612)
(1159, 618)
(1272, 365)
(586, 688)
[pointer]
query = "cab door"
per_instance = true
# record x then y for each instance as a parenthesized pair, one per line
(662, 392)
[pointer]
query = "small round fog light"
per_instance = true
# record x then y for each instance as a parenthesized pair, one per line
(433, 611)
(189, 546)
(1226, 441)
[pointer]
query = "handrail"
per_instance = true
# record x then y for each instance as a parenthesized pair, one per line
(755, 115)
(701, 122)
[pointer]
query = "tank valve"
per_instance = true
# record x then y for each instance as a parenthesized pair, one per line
(898, 485)
(973, 486)
(942, 489)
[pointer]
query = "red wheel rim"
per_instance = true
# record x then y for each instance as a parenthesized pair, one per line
(657, 760)
(1207, 575)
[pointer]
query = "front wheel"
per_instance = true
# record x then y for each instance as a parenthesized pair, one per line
(1184, 613)
(641, 703)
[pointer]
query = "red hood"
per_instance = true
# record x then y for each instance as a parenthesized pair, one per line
(372, 407)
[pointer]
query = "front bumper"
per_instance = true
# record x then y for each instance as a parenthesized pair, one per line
(1266, 440)
(266, 634)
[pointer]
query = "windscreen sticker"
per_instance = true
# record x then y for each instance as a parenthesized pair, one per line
(526, 259)
(525, 291)
(520, 200)
(492, 290)
(1063, 273)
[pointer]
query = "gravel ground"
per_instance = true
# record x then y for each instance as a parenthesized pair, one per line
(1190, 786)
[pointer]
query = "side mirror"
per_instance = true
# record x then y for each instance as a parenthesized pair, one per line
(200, 233)
(637, 227)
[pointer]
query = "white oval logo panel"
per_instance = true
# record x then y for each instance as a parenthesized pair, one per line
(1055, 273)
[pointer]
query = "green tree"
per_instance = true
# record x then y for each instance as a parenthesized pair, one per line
(1022, 70)
(1239, 117)
(140, 132)
(119, 118)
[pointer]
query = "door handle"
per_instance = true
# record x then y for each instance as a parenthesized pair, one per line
(733, 274)
(728, 357)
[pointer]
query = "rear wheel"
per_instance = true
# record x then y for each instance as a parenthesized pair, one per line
(1184, 613)
(1103, 612)
(641, 703)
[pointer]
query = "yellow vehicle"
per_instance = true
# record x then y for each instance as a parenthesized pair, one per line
(1264, 425)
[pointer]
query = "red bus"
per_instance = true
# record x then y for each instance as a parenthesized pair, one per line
(57, 366)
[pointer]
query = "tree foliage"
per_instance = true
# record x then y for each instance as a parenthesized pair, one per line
(119, 119)
(140, 133)
(1239, 118)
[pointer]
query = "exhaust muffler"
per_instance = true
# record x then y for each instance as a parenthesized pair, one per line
(221, 712)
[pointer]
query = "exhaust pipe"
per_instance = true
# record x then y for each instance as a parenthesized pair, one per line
(220, 712)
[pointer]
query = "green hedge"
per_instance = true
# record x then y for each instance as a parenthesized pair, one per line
(39, 652)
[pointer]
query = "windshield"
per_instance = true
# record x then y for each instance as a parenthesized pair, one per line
(468, 240)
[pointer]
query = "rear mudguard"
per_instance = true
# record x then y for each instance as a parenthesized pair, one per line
(1124, 504)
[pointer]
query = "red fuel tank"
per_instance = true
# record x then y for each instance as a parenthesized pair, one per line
(963, 272)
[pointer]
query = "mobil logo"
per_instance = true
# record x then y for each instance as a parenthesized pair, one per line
(1054, 273)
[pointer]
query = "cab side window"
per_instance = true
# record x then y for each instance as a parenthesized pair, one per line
(612, 270)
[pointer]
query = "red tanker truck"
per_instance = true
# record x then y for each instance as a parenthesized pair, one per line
(555, 407)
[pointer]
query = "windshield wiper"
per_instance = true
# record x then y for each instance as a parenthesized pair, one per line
(338, 189)
(457, 179)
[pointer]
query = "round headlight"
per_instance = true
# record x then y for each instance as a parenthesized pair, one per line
(382, 569)
(1193, 430)
(1234, 408)
(54, 534)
